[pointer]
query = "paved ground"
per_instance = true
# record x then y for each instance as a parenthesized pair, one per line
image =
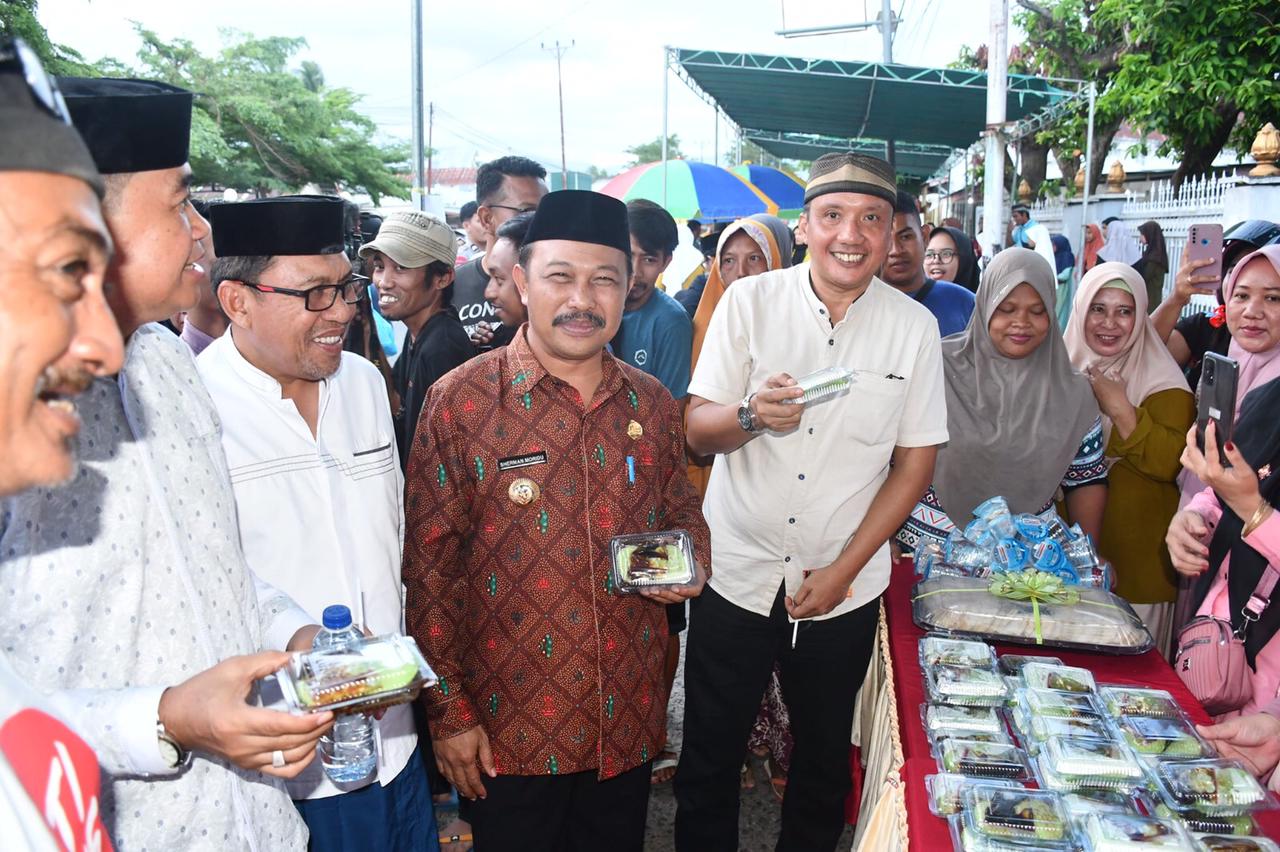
(760, 814)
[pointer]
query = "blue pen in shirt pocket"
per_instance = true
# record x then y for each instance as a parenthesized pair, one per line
(631, 470)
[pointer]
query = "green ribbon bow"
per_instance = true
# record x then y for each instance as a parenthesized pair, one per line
(1035, 586)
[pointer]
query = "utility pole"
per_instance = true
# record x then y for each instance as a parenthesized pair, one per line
(431, 127)
(419, 198)
(887, 26)
(997, 85)
(560, 51)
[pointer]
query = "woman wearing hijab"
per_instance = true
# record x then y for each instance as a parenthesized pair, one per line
(1065, 261)
(1023, 423)
(1230, 532)
(949, 257)
(1251, 300)
(1121, 245)
(1153, 266)
(1146, 410)
(1092, 245)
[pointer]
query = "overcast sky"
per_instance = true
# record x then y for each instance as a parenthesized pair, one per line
(494, 86)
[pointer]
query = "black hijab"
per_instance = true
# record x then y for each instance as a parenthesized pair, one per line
(967, 272)
(1257, 434)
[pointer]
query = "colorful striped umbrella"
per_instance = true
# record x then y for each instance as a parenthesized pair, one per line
(783, 188)
(694, 191)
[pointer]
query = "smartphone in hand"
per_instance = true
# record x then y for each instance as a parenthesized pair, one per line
(1205, 242)
(1216, 400)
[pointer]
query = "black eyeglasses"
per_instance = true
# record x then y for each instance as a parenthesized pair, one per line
(944, 255)
(516, 210)
(14, 53)
(322, 297)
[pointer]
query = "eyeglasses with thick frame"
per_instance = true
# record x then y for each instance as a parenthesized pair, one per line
(321, 297)
(944, 255)
(16, 53)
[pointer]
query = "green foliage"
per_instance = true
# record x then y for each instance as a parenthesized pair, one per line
(1203, 74)
(18, 18)
(651, 152)
(260, 127)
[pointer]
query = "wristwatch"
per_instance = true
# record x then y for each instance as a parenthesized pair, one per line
(747, 418)
(171, 751)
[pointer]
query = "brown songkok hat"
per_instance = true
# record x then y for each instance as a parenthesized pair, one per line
(850, 172)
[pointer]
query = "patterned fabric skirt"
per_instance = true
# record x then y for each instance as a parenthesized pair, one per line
(772, 730)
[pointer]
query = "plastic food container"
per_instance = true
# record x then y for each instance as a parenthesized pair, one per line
(1081, 803)
(1161, 737)
(964, 685)
(1138, 701)
(1058, 678)
(984, 760)
(652, 560)
(379, 672)
(953, 718)
(1235, 843)
(1211, 787)
(1107, 832)
(946, 791)
(1029, 816)
(1011, 664)
(964, 606)
(941, 650)
(1047, 702)
(1081, 762)
(1042, 728)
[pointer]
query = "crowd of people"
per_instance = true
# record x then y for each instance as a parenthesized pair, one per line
(181, 508)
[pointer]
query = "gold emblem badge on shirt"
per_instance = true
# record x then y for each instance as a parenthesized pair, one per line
(634, 431)
(523, 491)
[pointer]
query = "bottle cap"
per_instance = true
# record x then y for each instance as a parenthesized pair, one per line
(336, 617)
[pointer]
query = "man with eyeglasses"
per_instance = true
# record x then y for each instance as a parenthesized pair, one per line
(311, 450)
(505, 187)
(126, 587)
(903, 269)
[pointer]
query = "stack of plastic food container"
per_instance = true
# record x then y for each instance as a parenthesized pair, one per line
(1116, 767)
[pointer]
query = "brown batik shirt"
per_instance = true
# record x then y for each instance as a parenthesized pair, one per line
(514, 605)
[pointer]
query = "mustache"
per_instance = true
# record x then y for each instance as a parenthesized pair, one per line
(594, 319)
(64, 381)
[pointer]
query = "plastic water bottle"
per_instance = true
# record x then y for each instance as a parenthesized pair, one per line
(348, 752)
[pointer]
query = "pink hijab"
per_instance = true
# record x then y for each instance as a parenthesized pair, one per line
(1256, 368)
(1144, 363)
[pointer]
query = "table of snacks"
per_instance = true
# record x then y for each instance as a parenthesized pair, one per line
(896, 802)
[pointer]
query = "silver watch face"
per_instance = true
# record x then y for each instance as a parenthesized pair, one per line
(744, 418)
(169, 752)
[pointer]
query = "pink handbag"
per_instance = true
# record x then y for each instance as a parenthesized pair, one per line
(1211, 659)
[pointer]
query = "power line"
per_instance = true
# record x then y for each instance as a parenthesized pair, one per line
(519, 44)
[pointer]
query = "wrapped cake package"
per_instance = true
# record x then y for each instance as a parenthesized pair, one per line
(1162, 737)
(1081, 803)
(1058, 678)
(1029, 816)
(964, 685)
(1048, 702)
(950, 718)
(947, 789)
(1037, 730)
(1139, 701)
(1212, 787)
(984, 760)
(1106, 832)
(652, 560)
(943, 650)
(1029, 608)
(1072, 763)
(1011, 664)
(379, 672)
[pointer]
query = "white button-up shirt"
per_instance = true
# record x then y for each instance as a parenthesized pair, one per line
(321, 517)
(129, 579)
(785, 503)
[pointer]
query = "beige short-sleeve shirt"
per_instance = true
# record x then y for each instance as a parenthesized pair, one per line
(785, 503)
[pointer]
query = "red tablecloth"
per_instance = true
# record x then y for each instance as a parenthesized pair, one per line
(930, 833)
